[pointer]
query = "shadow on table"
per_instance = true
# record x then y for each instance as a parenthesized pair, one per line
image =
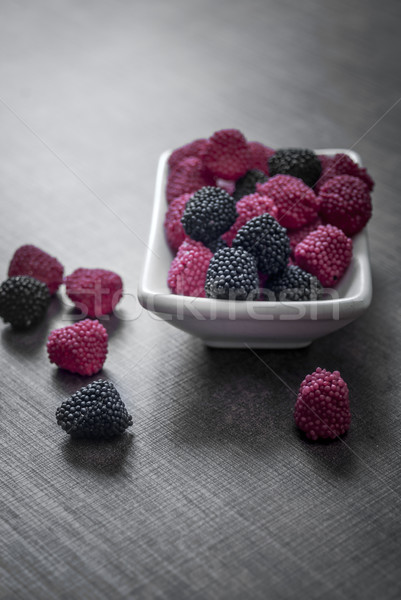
(106, 456)
(335, 456)
(247, 400)
(29, 341)
(227, 403)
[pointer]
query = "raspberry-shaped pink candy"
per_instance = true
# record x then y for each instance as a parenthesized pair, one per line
(32, 261)
(297, 204)
(297, 235)
(342, 164)
(326, 253)
(94, 291)
(173, 228)
(322, 406)
(248, 207)
(195, 148)
(187, 273)
(187, 177)
(227, 154)
(79, 348)
(345, 202)
(260, 155)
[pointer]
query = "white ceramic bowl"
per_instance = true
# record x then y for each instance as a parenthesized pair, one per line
(257, 324)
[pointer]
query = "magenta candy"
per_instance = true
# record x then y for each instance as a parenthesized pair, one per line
(326, 253)
(79, 348)
(322, 406)
(248, 207)
(95, 292)
(227, 154)
(187, 177)
(345, 202)
(342, 164)
(195, 148)
(297, 204)
(32, 261)
(297, 235)
(187, 273)
(260, 155)
(173, 228)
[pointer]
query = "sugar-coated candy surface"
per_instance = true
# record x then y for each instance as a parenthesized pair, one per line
(322, 406)
(292, 284)
(345, 202)
(208, 214)
(298, 162)
(260, 155)
(94, 411)
(342, 164)
(297, 204)
(188, 176)
(79, 348)
(31, 260)
(232, 275)
(297, 235)
(187, 273)
(279, 218)
(267, 240)
(24, 301)
(326, 253)
(195, 148)
(227, 154)
(173, 228)
(95, 292)
(248, 207)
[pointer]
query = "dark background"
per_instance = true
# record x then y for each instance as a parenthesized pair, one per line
(214, 494)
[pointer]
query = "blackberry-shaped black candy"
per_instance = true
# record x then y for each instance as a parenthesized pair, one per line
(246, 185)
(208, 214)
(94, 411)
(267, 240)
(23, 301)
(294, 284)
(298, 162)
(232, 275)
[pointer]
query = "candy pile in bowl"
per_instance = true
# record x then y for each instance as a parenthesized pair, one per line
(246, 222)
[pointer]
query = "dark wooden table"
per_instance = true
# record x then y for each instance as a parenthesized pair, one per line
(214, 494)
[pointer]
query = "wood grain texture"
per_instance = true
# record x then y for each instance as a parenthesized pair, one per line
(214, 494)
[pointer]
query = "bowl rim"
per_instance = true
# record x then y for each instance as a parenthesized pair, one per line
(347, 307)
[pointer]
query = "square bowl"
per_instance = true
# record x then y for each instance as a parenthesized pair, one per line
(258, 323)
